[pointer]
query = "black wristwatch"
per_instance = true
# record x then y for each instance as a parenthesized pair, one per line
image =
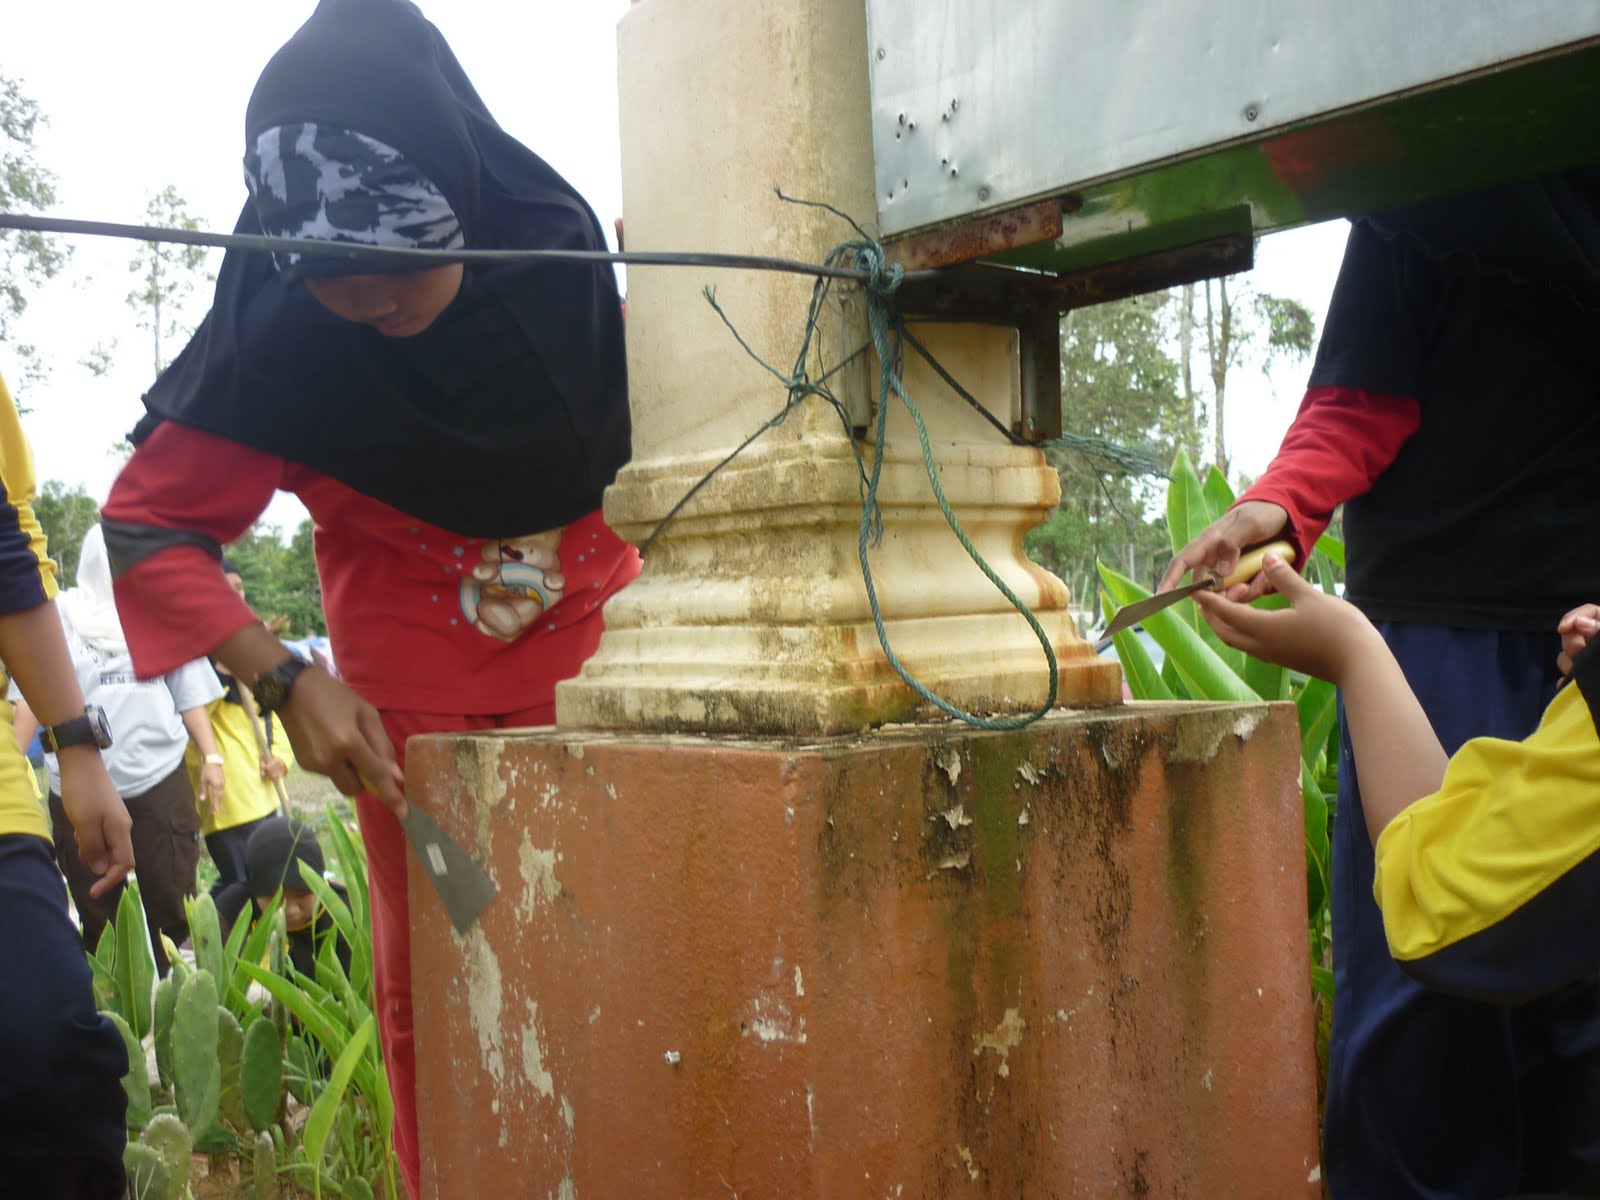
(271, 688)
(90, 728)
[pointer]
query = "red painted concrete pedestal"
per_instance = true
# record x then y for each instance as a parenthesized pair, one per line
(928, 962)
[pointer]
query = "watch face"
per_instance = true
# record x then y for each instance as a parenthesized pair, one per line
(100, 726)
(271, 688)
(91, 728)
(268, 692)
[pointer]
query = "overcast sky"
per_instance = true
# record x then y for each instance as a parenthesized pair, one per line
(142, 96)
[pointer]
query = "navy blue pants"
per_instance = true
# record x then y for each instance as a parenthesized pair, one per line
(1431, 1096)
(62, 1107)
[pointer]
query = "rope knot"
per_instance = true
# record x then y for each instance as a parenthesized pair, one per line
(883, 277)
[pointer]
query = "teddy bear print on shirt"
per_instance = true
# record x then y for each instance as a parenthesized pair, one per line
(518, 579)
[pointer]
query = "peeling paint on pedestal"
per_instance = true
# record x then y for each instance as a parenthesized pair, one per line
(538, 870)
(1004, 1038)
(484, 1002)
(533, 1054)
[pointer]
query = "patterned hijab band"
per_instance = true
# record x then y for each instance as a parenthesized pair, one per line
(316, 181)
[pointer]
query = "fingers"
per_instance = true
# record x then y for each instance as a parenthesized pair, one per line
(111, 879)
(107, 850)
(1190, 558)
(1217, 549)
(377, 765)
(1284, 579)
(1583, 619)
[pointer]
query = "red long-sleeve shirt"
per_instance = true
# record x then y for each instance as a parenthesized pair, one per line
(1341, 440)
(421, 619)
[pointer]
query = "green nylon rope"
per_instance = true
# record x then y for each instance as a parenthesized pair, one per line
(888, 338)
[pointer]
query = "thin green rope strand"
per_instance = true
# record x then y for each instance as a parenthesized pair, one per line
(888, 340)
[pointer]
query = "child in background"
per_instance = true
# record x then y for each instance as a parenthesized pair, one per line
(62, 1107)
(1488, 863)
(250, 794)
(276, 848)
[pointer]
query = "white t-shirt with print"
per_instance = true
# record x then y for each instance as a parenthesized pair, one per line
(148, 736)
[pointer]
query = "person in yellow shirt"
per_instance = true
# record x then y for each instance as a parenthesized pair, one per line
(249, 792)
(62, 1107)
(1488, 861)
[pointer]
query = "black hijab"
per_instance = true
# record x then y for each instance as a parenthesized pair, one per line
(509, 415)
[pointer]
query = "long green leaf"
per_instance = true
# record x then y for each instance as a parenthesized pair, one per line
(320, 1120)
(1188, 514)
(1186, 503)
(338, 910)
(134, 972)
(351, 868)
(1333, 548)
(1317, 848)
(1144, 680)
(253, 950)
(318, 1020)
(1318, 703)
(1219, 496)
(1206, 674)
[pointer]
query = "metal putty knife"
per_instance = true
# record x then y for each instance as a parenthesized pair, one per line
(460, 881)
(1249, 566)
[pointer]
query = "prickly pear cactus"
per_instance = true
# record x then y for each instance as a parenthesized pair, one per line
(168, 1137)
(230, 1050)
(261, 1074)
(197, 1072)
(205, 935)
(166, 1002)
(181, 969)
(137, 1081)
(147, 1174)
(266, 1164)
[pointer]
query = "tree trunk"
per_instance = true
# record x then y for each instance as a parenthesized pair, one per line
(1186, 368)
(1219, 348)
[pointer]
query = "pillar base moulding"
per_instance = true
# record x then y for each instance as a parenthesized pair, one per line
(751, 614)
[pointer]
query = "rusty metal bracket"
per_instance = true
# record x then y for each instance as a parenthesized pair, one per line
(978, 237)
(1032, 303)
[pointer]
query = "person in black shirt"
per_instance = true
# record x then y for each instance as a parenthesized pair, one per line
(273, 856)
(1455, 406)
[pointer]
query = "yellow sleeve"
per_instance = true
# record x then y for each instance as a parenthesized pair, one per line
(27, 576)
(27, 580)
(1480, 882)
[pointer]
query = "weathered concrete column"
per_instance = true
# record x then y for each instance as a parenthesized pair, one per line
(1065, 962)
(751, 615)
(738, 954)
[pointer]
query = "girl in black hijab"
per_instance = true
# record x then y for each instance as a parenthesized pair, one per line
(450, 430)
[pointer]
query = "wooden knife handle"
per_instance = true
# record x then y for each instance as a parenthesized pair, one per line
(1250, 563)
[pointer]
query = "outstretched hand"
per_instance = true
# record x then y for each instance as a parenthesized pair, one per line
(336, 733)
(1319, 634)
(1216, 550)
(1576, 630)
(100, 820)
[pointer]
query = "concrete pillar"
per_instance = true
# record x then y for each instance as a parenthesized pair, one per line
(751, 615)
(923, 961)
(1065, 962)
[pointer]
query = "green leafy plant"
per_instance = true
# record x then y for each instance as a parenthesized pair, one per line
(1198, 666)
(252, 1057)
